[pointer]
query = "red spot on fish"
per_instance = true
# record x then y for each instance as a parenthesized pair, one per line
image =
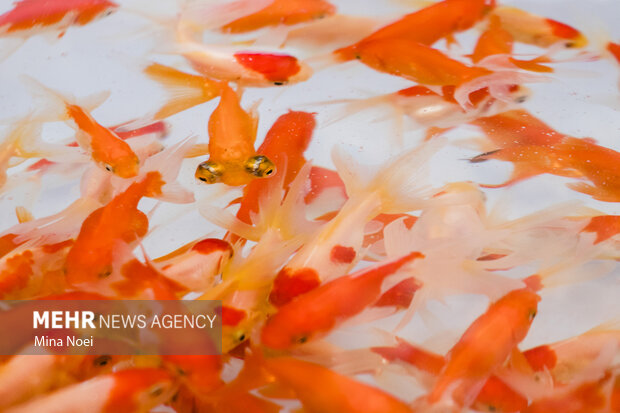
(289, 285)
(541, 357)
(490, 257)
(614, 49)
(8, 244)
(400, 295)
(52, 248)
(605, 226)
(231, 316)
(17, 273)
(275, 67)
(40, 164)
(562, 30)
(342, 255)
(210, 245)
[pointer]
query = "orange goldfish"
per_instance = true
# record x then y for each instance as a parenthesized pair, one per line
(125, 391)
(120, 221)
(144, 281)
(32, 15)
(343, 395)
(284, 145)
(495, 395)
(487, 343)
(536, 30)
(318, 311)
(426, 26)
(232, 157)
(578, 158)
(287, 12)
(188, 90)
(105, 147)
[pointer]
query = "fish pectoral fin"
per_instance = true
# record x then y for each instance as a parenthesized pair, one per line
(595, 192)
(199, 149)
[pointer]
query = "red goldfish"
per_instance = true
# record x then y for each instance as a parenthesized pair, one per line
(247, 68)
(120, 221)
(32, 15)
(232, 157)
(318, 311)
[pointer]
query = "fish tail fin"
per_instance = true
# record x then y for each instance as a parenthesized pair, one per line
(400, 183)
(210, 16)
(168, 163)
(351, 107)
(55, 104)
(186, 90)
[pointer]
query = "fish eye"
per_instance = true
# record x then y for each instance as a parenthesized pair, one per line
(521, 99)
(156, 390)
(301, 339)
(531, 314)
(108, 167)
(102, 361)
(209, 172)
(278, 83)
(259, 166)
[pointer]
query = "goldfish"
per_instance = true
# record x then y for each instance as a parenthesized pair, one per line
(495, 395)
(316, 312)
(426, 26)
(536, 30)
(104, 146)
(130, 390)
(142, 280)
(576, 158)
(188, 90)
(232, 157)
(278, 12)
(343, 395)
(246, 68)
(614, 49)
(28, 16)
(91, 257)
(487, 343)
(590, 397)
(334, 250)
(284, 144)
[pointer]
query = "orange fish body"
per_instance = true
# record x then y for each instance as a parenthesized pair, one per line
(106, 147)
(232, 157)
(614, 49)
(284, 145)
(416, 62)
(428, 25)
(32, 14)
(495, 395)
(287, 12)
(518, 127)
(495, 40)
(342, 394)
(589, 397)
(91, 256)
(536, 30)
(317, 312)
(488, 342)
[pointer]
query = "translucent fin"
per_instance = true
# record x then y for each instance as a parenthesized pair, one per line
(186, 90)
